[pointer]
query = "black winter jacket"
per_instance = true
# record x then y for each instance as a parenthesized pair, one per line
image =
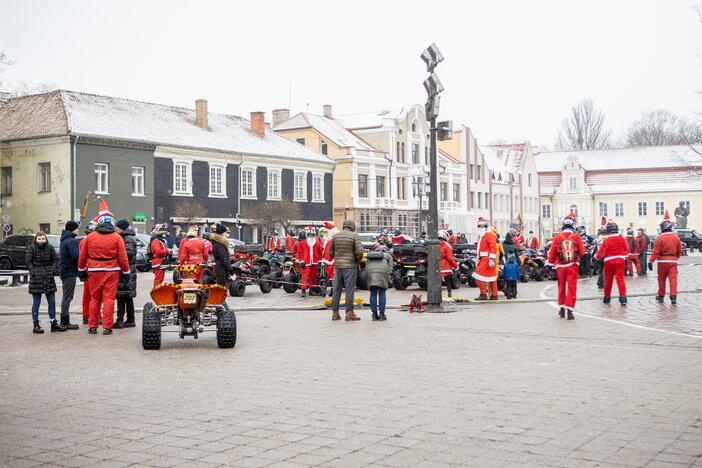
(42, 263)
(220, 252)
(68, 256)
(128, 288)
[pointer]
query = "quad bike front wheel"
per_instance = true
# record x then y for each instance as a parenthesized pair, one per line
(151, 327)
(265, 283)
(226, 327)
(398, 282)
(237, 288)
(290, 283)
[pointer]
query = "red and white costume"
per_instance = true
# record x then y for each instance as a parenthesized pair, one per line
(453, 240)
(567, 271)
(484, 274)
(399, 240)
(326, 256)
(532, 242)
(615, 252)
(274, 244)
(448, 261)
(667, 249)
(159, 251)
(309, 252)
(192, 252)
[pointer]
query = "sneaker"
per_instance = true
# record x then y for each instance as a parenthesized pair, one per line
(128, 325)
(561, 313)
(119, 323)
(92, 331)
(106, 331)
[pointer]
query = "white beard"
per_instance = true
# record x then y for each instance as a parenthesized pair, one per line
(311, 241)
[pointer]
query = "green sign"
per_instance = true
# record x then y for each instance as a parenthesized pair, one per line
(139, 217)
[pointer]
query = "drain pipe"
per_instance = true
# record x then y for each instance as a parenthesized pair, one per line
(73, 178)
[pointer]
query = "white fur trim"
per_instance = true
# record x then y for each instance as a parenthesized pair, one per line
(623, 257)
(565, 265)
(486, 279)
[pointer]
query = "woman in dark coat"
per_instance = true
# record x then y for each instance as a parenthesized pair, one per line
(378, 270)
(42, 263)
(220, 252)
(127, 287)
(510, 247)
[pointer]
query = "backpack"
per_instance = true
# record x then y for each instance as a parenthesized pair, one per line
(567, 251)
(149, 254)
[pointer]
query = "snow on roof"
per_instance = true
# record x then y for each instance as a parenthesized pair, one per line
(114, 118)
(330, 128)
(495, 165)
(622, 158)
(512, 156)
(372, 119)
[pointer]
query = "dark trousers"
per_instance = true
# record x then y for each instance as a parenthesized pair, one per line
(344, 278)
(377, 299)
(642, 261)
(447, 282)
(125, 306)
(585, 269)
(510, 289)
(36, 302)
(68, 287)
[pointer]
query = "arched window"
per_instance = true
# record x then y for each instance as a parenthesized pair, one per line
(414, 127)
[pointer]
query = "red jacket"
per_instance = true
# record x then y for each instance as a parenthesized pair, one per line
(158, 251)
(453, 239)
(667, 248)
(103, 251)
(534, 244)
(553, 258)
(327, 252)
(399, 240)
(448, 262)
(642, 242)
(309, 255)
(274, 244)
(487, 250)
(633, 245)
(193, 251)
(290, 244)
(614, 249)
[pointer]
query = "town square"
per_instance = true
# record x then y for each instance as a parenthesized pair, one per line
(393, 234)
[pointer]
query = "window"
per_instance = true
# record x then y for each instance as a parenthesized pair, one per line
(619, 209)
(45, 228)
(443, 190)
(323, 146)
(6, 182)
(401, 189)
(414, 127)
(300, 186)
(643, 208)
(363, 185)
(480, 199)
(301, 141)
(457, 192)
(45, 177)
(471, 171)
(397, 152)
(545, 211)
(138, 181)
(686, 204)
(181, 178)
(216, 181)
(402, 153)
(529, 180)
(415, 153)
(102, 178)
(603, 209)
(247, 183)
(660, 208)
(426, 155)
(573, 183)
(317, 187)
(273, 184)
(380, 186)
(574, 210)
(487, 200)
(479, 169)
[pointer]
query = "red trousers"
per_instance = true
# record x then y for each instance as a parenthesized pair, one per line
(487, 289)
(159, 276)
(309, 277)
(86, 299)
(610, 271)
(103, 287)
(668, 271)
(633, 260)
(567, 286)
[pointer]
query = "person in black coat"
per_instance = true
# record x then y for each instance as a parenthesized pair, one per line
(68, 271)
(42, 263)
(220, 252)
(126, 289)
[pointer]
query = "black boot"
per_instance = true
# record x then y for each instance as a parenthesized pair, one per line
(659, 298)
(119, 323)
(493, 298)
(375, 315)
(107, 331)
(129, 323)
(66, 322)
(570, 315)
(382, 316)
(673, 299)
(55, 326)
(37, 327)
(482, 297)
(606, 300)
(85, 320)
(92, 331)
(561, 313)
(622, 300)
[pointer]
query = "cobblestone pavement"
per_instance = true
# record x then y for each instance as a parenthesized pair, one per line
(489, 385)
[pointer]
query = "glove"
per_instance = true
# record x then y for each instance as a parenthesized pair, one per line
(491, 263)
(206, 235)
(83, 275)
(302, 265)
(650, 266)
(123, 277)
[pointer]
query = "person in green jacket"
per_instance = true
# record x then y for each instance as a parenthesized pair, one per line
(347, 251)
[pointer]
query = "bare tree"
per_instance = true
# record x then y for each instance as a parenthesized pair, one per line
(661, 128)
(583, 129)
(269, 214)
(190, 210)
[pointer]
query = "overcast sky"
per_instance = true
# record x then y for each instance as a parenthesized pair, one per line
(512, 68)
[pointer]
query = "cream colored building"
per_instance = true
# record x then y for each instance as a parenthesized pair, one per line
(632, 186)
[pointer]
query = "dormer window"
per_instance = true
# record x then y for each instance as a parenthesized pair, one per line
(573, 183)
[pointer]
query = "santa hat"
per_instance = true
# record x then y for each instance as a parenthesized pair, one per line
(572, 216)
(666, 216)
(483, 221)
(103, 209)
(603, 222)
(328, 225)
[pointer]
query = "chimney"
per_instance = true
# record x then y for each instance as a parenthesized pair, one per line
(201, 113)
(280, 116)
(258, 124)
(327, 111)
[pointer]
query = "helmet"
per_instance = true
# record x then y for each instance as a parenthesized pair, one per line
(159, 228)
(397, 232)
(443, 235)
(450, 231)
(90, 227)
(612, 227)
(602, 231)
(482, 222)
(666, 226)
(106, 219)
(323, 231)
(630, 231)
(310, 231)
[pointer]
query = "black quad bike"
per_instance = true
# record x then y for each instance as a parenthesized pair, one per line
(410, 266)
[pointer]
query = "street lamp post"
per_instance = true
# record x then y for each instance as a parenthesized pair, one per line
(418, 191)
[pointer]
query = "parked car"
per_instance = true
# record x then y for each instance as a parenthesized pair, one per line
(142, 263)
(691, 238)
(652, 239)
(13, 250)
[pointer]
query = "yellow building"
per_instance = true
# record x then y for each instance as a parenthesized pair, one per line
(632, 186)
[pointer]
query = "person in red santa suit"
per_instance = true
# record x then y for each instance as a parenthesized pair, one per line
(399, 238)
(274, 244)
(448, 261)
(290, 242)
(193, 252)
(159, 251)
(104, 257)
(452, 240)
(667, 249)
(92, 224)
(633, 260)
(309, 254)
(614, 251)
(564, 255)
(326, 256)
(485, 273)
(532, 242)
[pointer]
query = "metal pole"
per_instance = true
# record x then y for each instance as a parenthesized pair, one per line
(433, 260)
